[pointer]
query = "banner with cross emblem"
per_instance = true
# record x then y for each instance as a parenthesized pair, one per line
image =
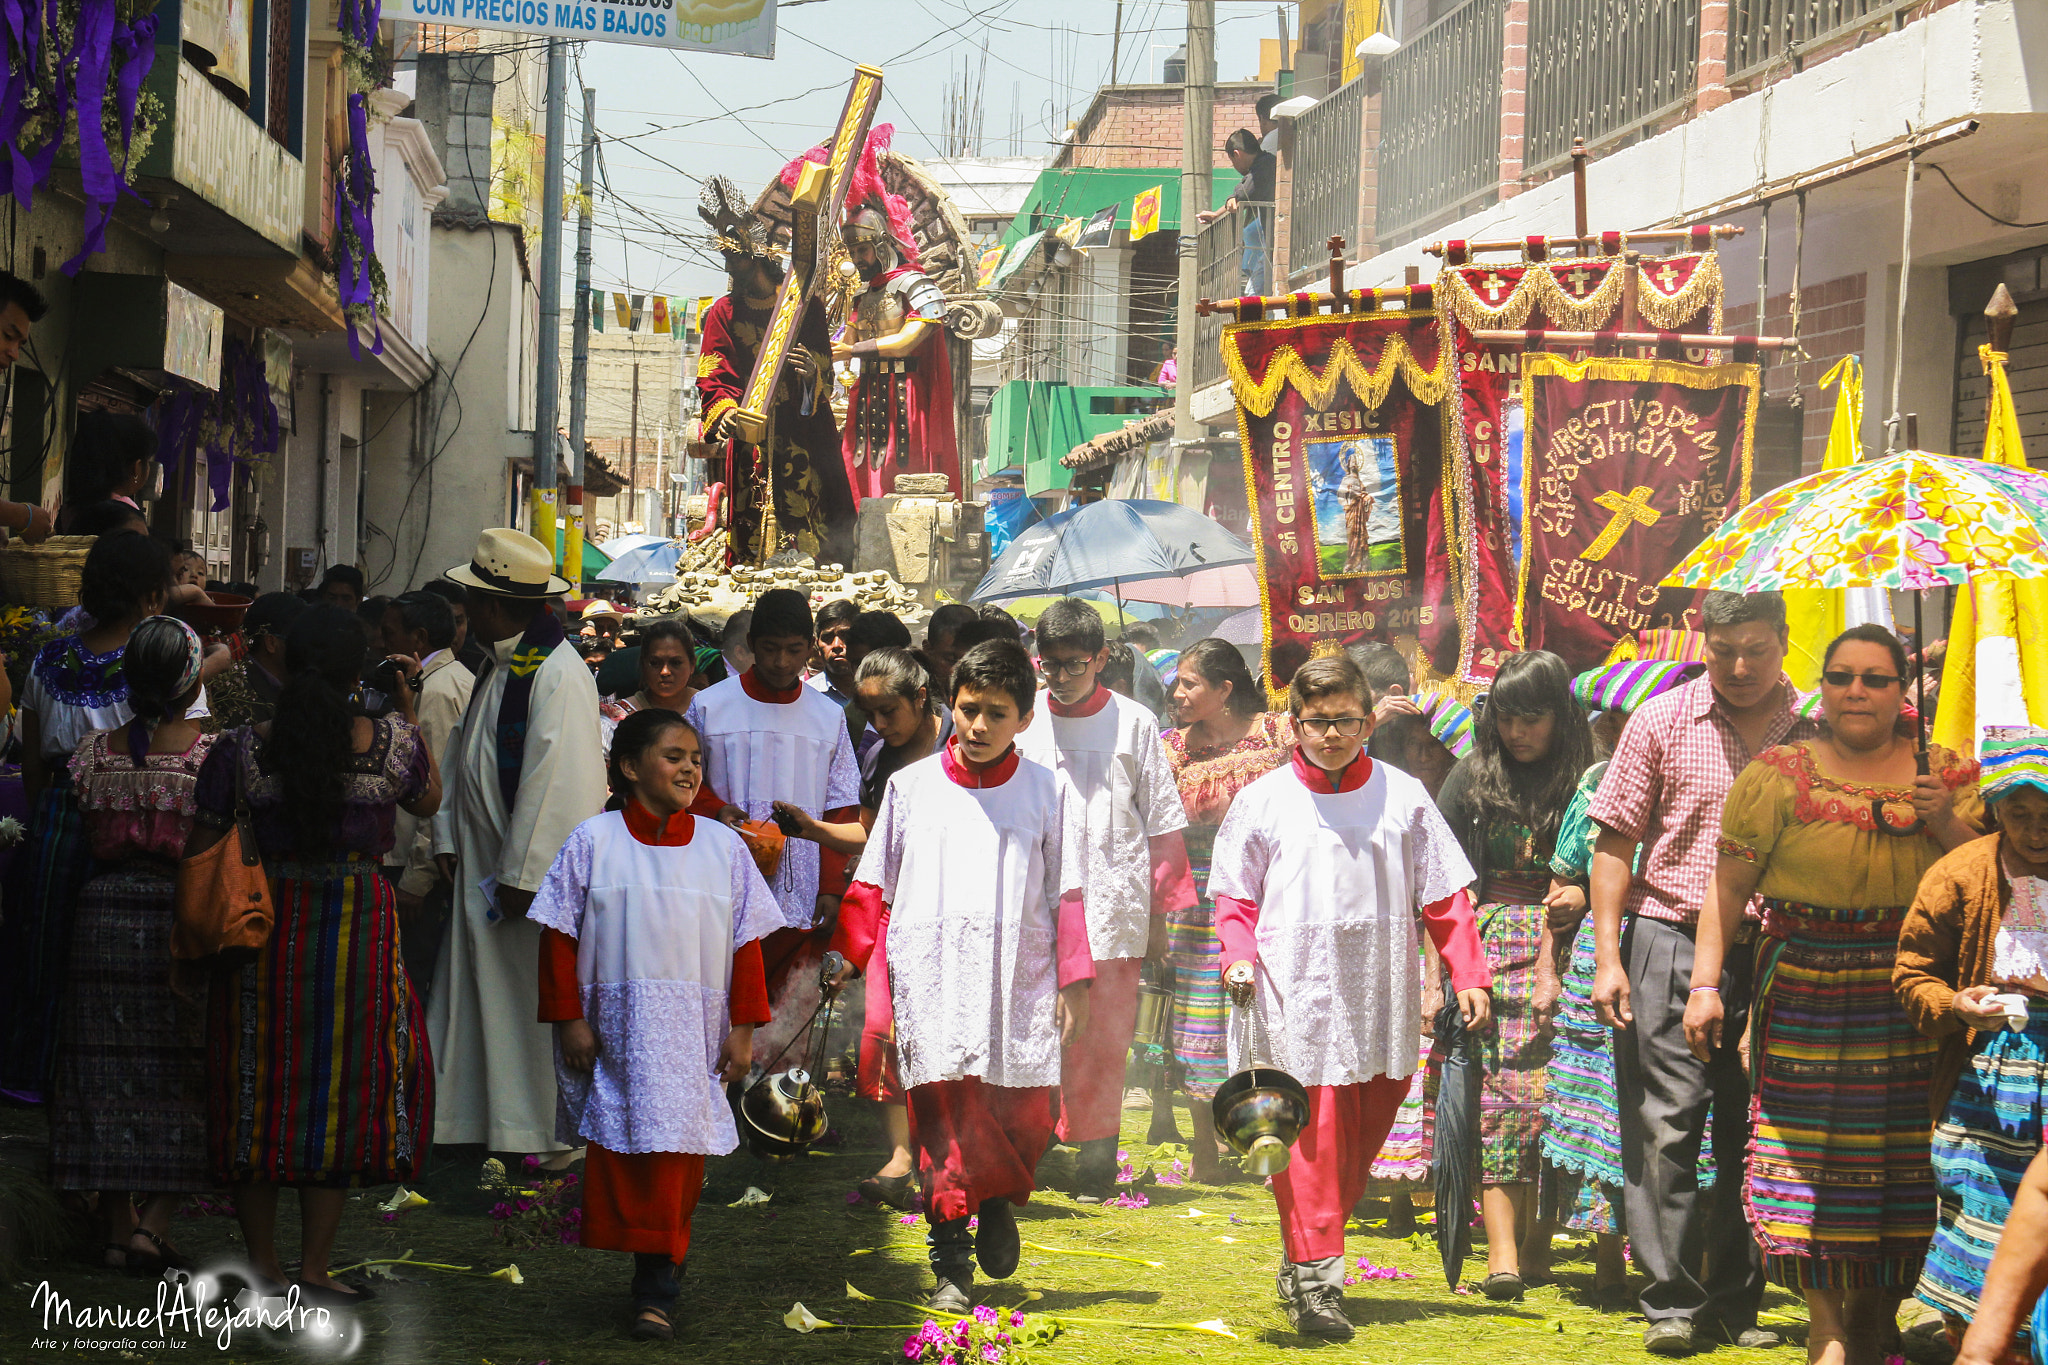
(1579, 294)
(1343, 419)
(1629, 464)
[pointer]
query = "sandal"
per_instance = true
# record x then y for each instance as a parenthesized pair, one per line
(1502, 1286)
(325, 1296)
(653, 1324)
(114, 1256)
(153, 1264)
(896, 1191)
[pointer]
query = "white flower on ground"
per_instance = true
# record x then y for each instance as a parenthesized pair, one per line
(802, 1319)
(510, 1275)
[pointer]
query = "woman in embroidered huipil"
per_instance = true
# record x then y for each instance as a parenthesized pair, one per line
(1975, 937)
(318, 1072)
(1225, 743)
(128, 1100)
(1839, 1189)
(74, 687)
(1506, 801)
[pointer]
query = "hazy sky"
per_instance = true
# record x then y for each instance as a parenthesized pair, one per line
(669, 119)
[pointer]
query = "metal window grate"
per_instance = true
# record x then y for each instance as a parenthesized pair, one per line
(1219, 270)
(1440, 124)
(1326, 159)
(1601, 68)
(1761, 32)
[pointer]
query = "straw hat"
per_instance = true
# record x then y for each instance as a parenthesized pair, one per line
(510, 564)
(601, 610)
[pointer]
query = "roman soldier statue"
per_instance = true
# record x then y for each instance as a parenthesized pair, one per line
(900, 418)
(800, 481)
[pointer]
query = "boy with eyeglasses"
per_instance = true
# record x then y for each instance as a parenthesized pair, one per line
(1134, 867)
(1318, 874)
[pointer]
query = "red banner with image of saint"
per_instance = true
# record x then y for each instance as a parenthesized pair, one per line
(1627, 465)
(1342, 420)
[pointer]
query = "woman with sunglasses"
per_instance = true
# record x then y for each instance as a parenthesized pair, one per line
(1506, 802)
(1838, 1190)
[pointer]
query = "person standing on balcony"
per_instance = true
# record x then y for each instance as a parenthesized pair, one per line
(1252, 200)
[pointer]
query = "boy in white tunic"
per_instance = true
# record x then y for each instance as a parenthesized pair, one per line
(650, 972)
(1134, 867)
(1318, 874)
(988, 961)
(769, 738)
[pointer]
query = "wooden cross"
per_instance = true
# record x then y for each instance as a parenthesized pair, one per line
(1667, 277)
(1492, 286)
(1630, 509)
(1578, 275)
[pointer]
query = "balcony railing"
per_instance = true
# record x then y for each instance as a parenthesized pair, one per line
(1439, 149)
(1326, 158)
(1600, 68)
(1219, 268)
(1765, 31)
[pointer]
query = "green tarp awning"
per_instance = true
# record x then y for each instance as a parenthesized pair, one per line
(1062, 194)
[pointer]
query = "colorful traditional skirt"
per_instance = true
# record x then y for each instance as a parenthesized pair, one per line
(35, 938)
(1988, 1134)
(1515, 1051)
(1198, 997)
(128, 1100)
(317, 1051)
(1840, 1190)
(1404, 1156)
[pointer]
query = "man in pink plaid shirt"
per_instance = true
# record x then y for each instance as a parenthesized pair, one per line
(1662, 795)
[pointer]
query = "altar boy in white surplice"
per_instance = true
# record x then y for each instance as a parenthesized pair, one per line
(989, 966)
(650, 972)
(1319, 873)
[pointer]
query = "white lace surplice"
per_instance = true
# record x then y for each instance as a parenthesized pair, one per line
(757, 753)
(1339, 880)
(973, 879)
(656, 928)
(1126, 795)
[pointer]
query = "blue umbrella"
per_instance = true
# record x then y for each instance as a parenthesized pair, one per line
(1106, 543)
(654, 563)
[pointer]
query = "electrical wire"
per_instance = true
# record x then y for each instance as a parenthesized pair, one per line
(2003, 222)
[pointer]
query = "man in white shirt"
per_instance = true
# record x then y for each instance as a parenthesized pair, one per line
(421, 626)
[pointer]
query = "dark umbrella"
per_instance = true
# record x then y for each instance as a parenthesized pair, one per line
(1452, 1157)
(1108, 543)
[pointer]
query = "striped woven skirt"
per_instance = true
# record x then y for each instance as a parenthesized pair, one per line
(317, 1051)
(128, 1100)
(1515, 1051)
(1404, 1156)
(1990, 1131)
(1840, 1190)
(35, 938)
(1198, 999)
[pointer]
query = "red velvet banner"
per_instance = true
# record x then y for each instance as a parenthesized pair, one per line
(1678, 293)
(1342, 419)
(1627, 465)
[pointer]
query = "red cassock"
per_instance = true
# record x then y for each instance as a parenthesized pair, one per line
(642, 1201)
(813, 503)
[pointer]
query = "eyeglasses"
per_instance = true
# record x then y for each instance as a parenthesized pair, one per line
(1065, 668)
(1315, 727)
(1876, 682)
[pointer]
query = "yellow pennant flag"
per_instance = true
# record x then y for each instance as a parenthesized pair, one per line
(1145, 213)
(622, 309)
(1996, 672)
(660, 313)
(1815, 616)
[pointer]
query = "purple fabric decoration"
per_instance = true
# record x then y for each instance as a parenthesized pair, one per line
(190, 415)
(95, 46)
(21, 23)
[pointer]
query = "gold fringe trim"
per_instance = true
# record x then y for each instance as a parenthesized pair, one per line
(1543, 364)
(1257, 396)
(1538, 294)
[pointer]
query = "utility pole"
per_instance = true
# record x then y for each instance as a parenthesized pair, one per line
(1197, 134)
(548, 372)
(633, 450)
(579, 355)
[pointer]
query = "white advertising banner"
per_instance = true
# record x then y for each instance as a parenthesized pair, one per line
(744, 28)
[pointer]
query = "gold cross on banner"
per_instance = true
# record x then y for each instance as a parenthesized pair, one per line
(1578, 275)
(1492, 286)
(1630, 509)
(1667, 278)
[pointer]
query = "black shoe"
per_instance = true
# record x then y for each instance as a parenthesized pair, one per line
(1319, 1312)
(653, 1324)
(897, 1191)
(949, 1295)
(1669, 1337)
(996, 1245)
(1503, 1286)
(1095, 1171)
(320, 1296)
